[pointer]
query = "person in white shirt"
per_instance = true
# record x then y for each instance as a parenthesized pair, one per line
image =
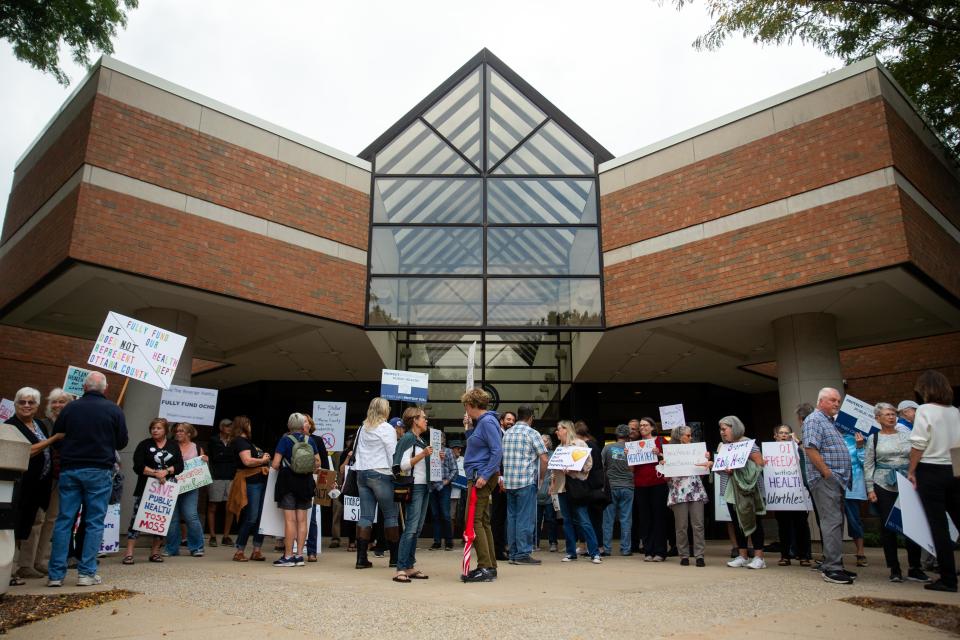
(373, 451)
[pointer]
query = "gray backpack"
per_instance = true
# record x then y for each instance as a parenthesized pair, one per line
(301, 458)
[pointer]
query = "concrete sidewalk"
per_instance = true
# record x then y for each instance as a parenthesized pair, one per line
(198, 597)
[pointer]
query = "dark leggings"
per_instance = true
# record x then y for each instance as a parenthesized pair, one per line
(885, 502)
(794, 534)
(756, 537)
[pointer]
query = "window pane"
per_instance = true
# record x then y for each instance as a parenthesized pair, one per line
(541, 201)
(543, 302)
(420, 301)
(427, 201)
(510, 117)
(419, 150)
(538, 250)
(551, 151)
(457, 117)
(420, 250)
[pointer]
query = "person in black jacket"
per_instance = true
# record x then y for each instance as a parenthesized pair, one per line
(223, 466)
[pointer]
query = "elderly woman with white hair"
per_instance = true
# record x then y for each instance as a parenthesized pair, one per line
(686, 496)
(295, 459)
(37, 481)
(744, 497)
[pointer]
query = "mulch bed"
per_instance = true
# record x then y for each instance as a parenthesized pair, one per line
(940, 616)
(16, 611)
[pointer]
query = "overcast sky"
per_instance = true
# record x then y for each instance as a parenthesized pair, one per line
(342, 73)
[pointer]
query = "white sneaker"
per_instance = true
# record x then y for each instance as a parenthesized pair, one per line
(89, 581)
(54, 583)
(757, 563)
(738, 562)
(597, 560)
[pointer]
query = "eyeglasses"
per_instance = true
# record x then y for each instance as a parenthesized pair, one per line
(27, 402)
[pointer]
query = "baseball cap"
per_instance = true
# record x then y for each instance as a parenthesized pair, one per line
(907, 404)
(396, 423)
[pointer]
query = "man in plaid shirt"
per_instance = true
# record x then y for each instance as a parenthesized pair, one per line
(524, 465)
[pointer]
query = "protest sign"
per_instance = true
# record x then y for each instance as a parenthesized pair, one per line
(641, 452)
(720, 512)
(155, 512)
(271, 518)
(195, 474)
(326, 480)
(782, 478)
(671, 416)
(330, 420)
(908, 517)
(569, 458)
(73, 382)
(195, 405)
(856, 415)
(111, 530)
(137, 350)
(436, 464)
(684, 460)
(471, 363)
(7, 409)
(351, 504)
(407, 386)
(733, 455)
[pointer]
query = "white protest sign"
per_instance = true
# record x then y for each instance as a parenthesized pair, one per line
(195, 474)
(641, 451)
(857, 415)
(671, 416)
(330, 420)
(436, 464)
(7, 409)
(914, 519)
(195, 405)
(271, 518)
(684, 460)
(406, 386)
(720, 512)
(782, 478)
(137, 350)
(318, 521)
(732, 455)
(569, 458)
(471, 363)
(73, 381)
(351, 504)
(155, 512)
(111, 530)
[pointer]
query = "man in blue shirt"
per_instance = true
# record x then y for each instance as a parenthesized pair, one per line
(482, 467)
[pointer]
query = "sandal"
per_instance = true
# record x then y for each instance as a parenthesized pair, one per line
(256, 555)
(784, 562)
(127, 560)
(862, 561)
(156, 558)
(17, 581)
(805, 563)
(351, 547)
(418, 575)
(239, 556)
(402, 577)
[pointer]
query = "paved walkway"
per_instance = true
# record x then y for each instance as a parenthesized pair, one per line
(213, 597)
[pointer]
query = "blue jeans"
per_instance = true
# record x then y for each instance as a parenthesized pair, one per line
(250, 517)
(376, 489)
(440, 511)
(187, 508)
(576, 518)
(854, 525)
(521, 521)
(546, 514)
(416, 513)
(621, 504)
(91, 488)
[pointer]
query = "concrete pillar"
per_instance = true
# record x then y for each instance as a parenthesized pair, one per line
(141, 403)
(807, 360)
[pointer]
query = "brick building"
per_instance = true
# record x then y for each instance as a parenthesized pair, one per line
(807, 240)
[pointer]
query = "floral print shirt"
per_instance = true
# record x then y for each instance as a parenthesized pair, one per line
(686, 489)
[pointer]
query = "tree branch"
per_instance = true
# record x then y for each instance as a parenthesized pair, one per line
(903, 8)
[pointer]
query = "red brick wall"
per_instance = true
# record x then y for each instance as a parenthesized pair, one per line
(841, 145)
(136, 236)
(931, 248)
(887, 372)
(842, 238)
(144, 146)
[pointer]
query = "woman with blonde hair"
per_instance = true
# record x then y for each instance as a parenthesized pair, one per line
(186, 507)
(375, 444)
(576, 516)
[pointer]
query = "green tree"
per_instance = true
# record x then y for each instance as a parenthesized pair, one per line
(36, 28)
(917, 40)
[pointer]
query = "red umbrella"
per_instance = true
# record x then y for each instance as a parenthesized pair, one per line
(468, 531)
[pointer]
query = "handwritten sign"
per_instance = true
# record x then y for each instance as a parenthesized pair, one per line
(137, 350)
(195, 405)
(856, 415)
(684, 460)
(569, 458)
(641, 452)
(195, 474)
(155, 512)
(73, 382)
(436, 464)
(351, 504)
(733, 455)
(7, 409)
(782, 479)
(111, 530)
(330, 420)
(671, 416)
(406, 386)
(271, 517)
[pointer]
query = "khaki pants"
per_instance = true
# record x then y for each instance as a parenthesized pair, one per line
(483, 543)
(693, 510)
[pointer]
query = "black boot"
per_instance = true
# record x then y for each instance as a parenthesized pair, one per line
(363, 539)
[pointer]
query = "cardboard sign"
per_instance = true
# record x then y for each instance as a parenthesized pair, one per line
(684, 460)
(569, 458)
(73, 382)
(271, 517)
(720, 511)
(326, 480)
(195, 474)
(782, 478)
(155, 512)
(856, 415)
(195, 405)
(733, 455)
(137, 350)
(406, 386)
(111, 530)
(436, 464)
(641, 452)
(7, 409)
(671, 416)
(330, 420)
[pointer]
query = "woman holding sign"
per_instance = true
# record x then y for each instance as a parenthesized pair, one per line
(793, 526)
(651, 515)
(576, 516)
(686, 498)
(412, 457)
(186, 507)
(744, 496)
